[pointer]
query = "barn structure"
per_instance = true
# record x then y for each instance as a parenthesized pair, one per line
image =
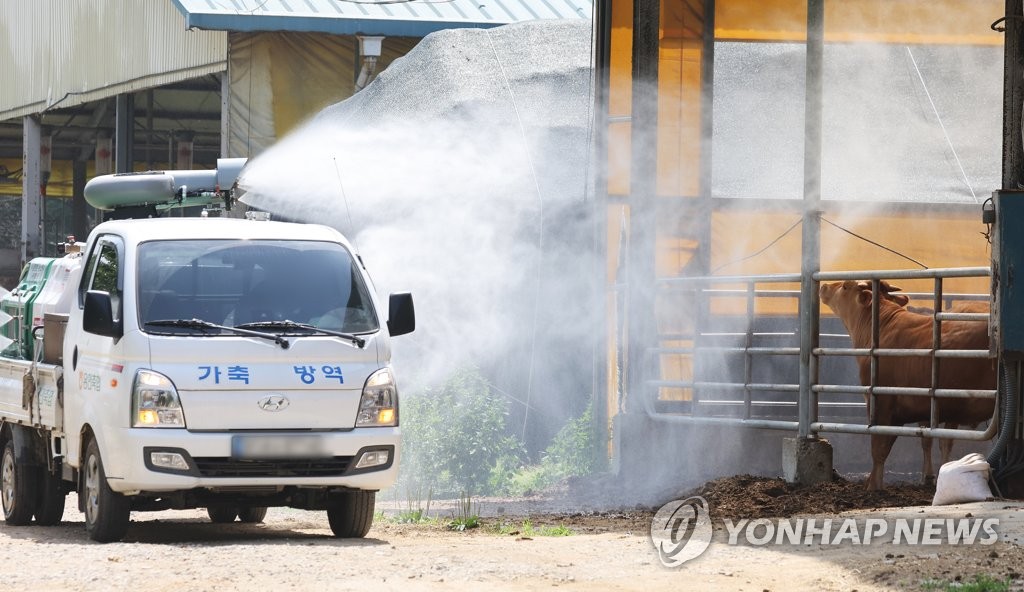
(749, 150)
(125, 85)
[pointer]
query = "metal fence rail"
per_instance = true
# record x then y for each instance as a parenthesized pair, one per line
(702, 388)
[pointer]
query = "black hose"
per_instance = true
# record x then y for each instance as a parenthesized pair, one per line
(1008, 420)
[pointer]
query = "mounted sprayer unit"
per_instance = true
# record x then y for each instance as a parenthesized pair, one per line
(144, 194)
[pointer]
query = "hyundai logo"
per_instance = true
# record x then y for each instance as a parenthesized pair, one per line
(273, 403)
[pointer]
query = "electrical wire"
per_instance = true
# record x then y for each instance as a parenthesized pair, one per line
(540, 232)
(507, 395)
(879, 245)
(759, 251)
(945, 133)
(344, 198)
(830, 223)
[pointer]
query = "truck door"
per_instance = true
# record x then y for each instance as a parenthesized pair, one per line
(93, 363)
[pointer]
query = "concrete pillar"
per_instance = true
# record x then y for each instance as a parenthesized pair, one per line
(806, 461)
(31, 190)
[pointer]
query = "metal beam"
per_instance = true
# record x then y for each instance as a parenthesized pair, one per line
(1013, 96)
(149, 128)
(124, 137)
(87, 135)
(643, 221)
(61, 148)
(225, 114)
(810, 306)
(602, 35)
(79, 209)
(707, 114)
(31, 190)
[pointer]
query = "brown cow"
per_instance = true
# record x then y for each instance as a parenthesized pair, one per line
(902, 329)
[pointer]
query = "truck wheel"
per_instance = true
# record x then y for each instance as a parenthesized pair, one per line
(351, 513)
(222, 514)
(107, 512)
(50, 510)
(252, 514)
(19, 488)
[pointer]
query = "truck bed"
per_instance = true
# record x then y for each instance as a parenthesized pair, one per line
(38, 404)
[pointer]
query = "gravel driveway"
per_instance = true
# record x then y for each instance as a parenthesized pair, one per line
(294, 550)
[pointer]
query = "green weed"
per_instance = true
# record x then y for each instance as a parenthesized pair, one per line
(414, 512)
(467, 514)
(980, 583)
(527, 529)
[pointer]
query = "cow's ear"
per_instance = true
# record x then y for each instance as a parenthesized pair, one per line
(900, 299)
(887, 287)
(864, 297)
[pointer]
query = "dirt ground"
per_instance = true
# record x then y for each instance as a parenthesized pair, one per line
(609, 550)
(745, 496)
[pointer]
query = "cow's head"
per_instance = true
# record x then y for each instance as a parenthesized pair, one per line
(846, 297)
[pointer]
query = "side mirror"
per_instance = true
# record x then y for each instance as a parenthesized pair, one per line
(98, 316)
(401, 314)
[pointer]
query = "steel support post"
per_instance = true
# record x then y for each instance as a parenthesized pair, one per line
(806, 459)
(31, 190)
(124, 138)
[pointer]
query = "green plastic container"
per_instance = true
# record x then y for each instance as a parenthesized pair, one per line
(19, 304)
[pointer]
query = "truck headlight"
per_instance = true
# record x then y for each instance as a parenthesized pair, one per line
(155, 402)
(379, 403)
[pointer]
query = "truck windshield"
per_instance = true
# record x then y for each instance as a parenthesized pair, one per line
(240, 282)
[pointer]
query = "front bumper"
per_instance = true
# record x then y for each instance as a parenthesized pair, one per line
(126, 460)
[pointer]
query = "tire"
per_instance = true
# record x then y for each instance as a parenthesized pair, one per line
(107, 512)
(252, 514)
(50, 510)
(18, 483)
(222, 514)
(351, 513)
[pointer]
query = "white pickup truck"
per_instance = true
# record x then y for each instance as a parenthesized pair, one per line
(177, 363)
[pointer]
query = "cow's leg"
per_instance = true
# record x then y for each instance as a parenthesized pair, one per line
(927, 469)
(946, 444)
(880, 448)
(945, 449)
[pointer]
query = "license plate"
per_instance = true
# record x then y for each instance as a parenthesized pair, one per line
(271, 447)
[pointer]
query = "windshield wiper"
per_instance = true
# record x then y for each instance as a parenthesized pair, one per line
(286, 324)
(206, 325)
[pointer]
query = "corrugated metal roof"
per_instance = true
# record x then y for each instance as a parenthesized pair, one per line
(59, 54)
(411, 18)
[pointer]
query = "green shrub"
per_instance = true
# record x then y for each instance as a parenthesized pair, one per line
(456, 439)
(573, 452)
(456, 436)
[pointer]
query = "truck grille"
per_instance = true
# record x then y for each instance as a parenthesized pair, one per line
(221, 466)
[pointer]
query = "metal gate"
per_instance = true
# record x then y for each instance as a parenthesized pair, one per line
(727, 352)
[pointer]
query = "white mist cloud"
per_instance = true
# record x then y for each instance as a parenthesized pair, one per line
(899, 122)
(460, 175)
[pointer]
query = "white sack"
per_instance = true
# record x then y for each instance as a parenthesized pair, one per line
(963, 480)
